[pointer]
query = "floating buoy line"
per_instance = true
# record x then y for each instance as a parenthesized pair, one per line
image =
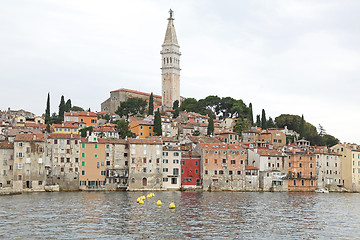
(140, 200)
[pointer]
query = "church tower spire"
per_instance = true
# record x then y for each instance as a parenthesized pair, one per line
(170, 62)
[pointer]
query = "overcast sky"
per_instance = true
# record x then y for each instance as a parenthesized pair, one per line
(295, 57)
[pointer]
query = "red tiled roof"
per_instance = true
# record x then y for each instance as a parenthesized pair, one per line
(268, 152)
(64, 135)
(6, 145)
(250, 167)
(152, 140)
(220, 146)
(80, 113)
(29, 138)
(137, 92)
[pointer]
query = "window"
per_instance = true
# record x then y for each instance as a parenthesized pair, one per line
(302, 182)
(224, 161)
(67, 142)
(206, 160)
(62, 159)
(102, 173)
(165, 160)
(40, 182)
(55, 141)
(83, 145)
(165, 153)
(133, 180)
(215, 172)
(62, 169)
(96, 155)
(144, 160)
(165, 179)
(176, 154)
(206, 172)
(144, 169)
(182, 170)
(96, 146)
(215, 161)
(83, 163)
(182, 162)
(230, 172)
(175, 171)
(294, 182)
(82, 183)
(300, 164)
(238, 172)
(82, 154)
(175, 161)
(233, 162)
(173, 180)
(289, 164)
(311, 165)
(165, 170)
(221, 172)
(196, 163)
(132, 160)
(196, 170)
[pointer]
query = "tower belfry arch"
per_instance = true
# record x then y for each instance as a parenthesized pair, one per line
(170, 65)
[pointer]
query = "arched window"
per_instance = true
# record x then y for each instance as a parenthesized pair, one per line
(170, 60)
(133, 180)
(167, 60)
(164, 60)
(144, 182)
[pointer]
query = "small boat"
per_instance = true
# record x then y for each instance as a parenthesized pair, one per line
(322, 190)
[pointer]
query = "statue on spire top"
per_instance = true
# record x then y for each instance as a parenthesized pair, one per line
(171, 13)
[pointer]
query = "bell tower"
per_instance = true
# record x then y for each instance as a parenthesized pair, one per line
(170, 66)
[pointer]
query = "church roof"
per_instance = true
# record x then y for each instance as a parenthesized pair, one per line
(170, 36)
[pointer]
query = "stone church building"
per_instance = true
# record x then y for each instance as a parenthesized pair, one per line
(170, 76)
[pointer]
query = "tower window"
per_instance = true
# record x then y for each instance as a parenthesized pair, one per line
(167, 60)
(170, 60)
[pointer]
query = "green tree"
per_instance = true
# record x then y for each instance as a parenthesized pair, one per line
(83, 131)
(151, 105)
(210, 128)
(68, 105)
(190, 105)
(302, 127)
(251, 116)
(270, 123)
(176, 109)
(131, 107)
(196, 133)
(122, 127)
(241, 125)
(263, 120)
(329, 140)
(47, 110)
(157, 124)
(77, 108)
(258, 121)
(61, 109)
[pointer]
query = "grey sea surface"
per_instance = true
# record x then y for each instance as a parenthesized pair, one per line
(198, 215)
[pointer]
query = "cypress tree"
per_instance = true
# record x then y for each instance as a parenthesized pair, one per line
(68, 105)
(47, 111)
(302, 127)
(263, 120)
(151, 105)
(61, 109)
(157, 124)
(176, 109)
(258, 121)
(210, 129)
(251, 115)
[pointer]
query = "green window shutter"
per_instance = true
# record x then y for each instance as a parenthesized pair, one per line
(82, 154)
(83, 163)
(96, 155)
(83, 145)
(96, 145)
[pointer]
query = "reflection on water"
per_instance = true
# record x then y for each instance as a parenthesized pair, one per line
(200, 215)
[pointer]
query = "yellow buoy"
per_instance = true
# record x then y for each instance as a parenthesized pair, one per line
(158, 203)
(143, 197)
(138, 200)
(153, 194)
(141, 202)
(148, 196)
(172, 206)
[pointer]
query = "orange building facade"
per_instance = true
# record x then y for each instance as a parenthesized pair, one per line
(301, 171)
(92, 163)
